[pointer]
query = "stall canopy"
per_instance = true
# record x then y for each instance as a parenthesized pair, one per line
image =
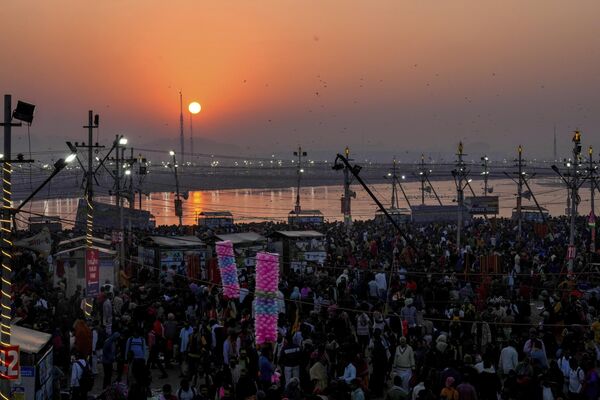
(244, 238)
(28, 340)
(82, 247)
(70, 243)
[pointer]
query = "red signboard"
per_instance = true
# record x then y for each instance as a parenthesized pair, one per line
(92, 272)
(9, 360)
(571, 252)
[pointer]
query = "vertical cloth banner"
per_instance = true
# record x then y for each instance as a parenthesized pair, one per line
(228, 269)
(92, 272)
(265, 303)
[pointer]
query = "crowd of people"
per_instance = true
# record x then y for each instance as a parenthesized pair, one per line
(386, 316)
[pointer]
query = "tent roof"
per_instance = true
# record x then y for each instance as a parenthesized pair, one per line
(175, 241)
(28, 340)
(100, 249)
(82, 238)
(243, 237)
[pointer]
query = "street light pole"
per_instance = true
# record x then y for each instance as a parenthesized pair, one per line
(520, 193)
(572, 184)
(459, 175)
(299, 171)
(5, 302)
(574, 193)
(347, 192)
(485, 174)
(178, 204)
(592, 219)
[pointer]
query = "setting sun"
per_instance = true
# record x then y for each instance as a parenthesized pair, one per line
(194, 107)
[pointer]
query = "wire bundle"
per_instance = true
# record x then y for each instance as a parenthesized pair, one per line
(265, 303)
(228, 269)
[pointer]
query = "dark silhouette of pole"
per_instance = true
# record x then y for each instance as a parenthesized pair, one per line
(520, 193)
(299, 171)
(178, 203)
(354, 170)
(592, 218)
(181, 138)
(459, 174)
(5, 302)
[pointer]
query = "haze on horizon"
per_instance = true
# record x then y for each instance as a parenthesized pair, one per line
(381, 76)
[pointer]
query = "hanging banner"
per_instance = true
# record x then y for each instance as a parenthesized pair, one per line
(9, 362)
(92, 272)
(42, 242)
(482, 205)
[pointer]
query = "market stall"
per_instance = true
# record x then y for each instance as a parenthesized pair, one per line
(70, 265)
(245, 245)
(36, 362)
(300, 250)
(187, 254)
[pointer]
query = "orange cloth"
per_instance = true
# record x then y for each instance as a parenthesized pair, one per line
(83, 338)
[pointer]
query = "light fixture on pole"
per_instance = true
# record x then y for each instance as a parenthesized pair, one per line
(59, 165)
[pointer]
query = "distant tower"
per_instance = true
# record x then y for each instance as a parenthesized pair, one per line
(554, 143)
(181, 126)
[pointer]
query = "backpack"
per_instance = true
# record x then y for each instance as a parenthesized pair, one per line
(86, 381)
(363, 320)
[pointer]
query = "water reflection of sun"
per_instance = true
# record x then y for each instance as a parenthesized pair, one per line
(197, 203)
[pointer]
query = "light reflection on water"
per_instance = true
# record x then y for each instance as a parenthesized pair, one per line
(249, 205)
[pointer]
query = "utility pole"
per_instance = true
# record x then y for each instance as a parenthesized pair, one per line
(142, 171)
(120, 143)
(460, 174)
(93, 122)
(520, 193)
(574, 193)
(554, 153)
(394, 191)
(121, 211)
(395, 204)
(423, 175)
(348, 194)
(299, 172)
(5, 313)
(181, 138)
(5, 225)
(592, 218)
(486, 174)
(178, 202)
(6, 300)
(572, 181)
(131, 194)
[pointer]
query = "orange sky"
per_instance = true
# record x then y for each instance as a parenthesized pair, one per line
(394, 75)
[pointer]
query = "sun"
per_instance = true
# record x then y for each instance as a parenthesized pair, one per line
(194, 107)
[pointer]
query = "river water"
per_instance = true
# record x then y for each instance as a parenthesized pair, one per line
(251, 205)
